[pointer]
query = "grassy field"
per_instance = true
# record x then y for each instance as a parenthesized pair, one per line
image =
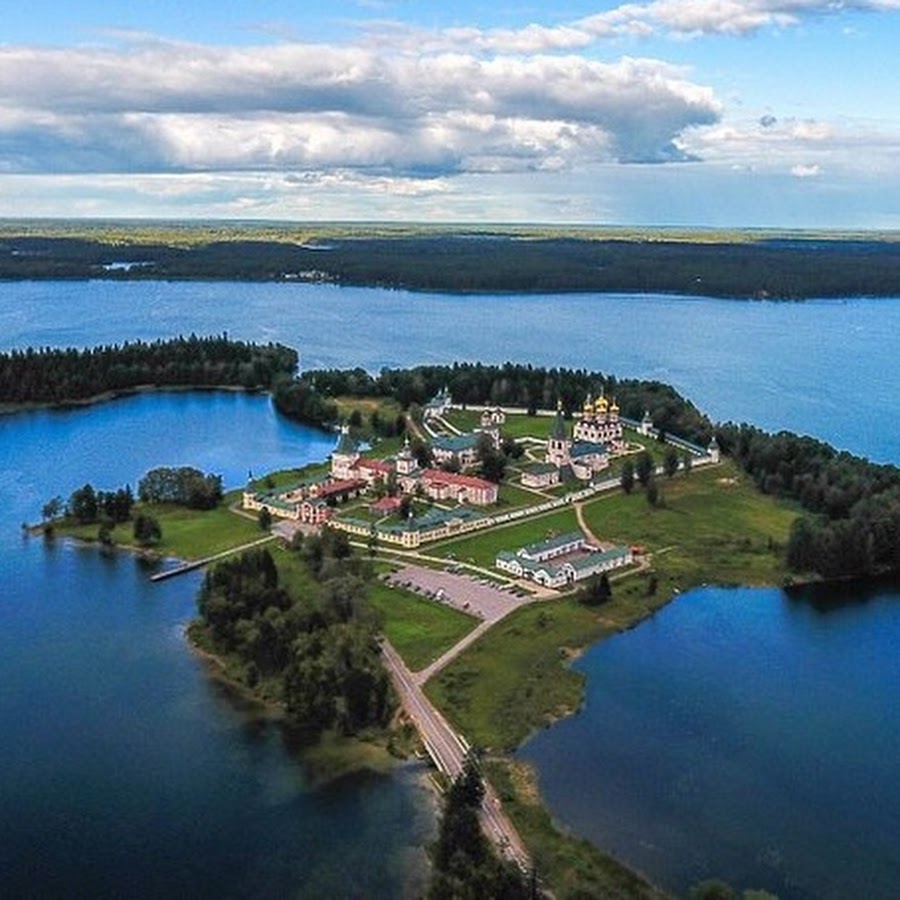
(528, 426)
(513, 679)
(464, 419)
(482, 548)
(517, 426)
(714, 526)
(420, 630)
(512, 496)
(186, 533)
(286, 477)
(386, 407)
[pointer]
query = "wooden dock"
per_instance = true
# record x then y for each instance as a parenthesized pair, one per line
(186, 567)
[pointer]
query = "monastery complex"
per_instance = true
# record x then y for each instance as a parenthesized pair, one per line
(366, 496)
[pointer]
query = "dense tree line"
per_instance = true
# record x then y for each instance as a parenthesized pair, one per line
(475, 384)
(183, 485)
(86, 505)
(298, 399)
(464, 864)
(791, 267)
(46, 375)
(853, 505)
(317, 653)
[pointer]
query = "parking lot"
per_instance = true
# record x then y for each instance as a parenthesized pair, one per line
(486, 601)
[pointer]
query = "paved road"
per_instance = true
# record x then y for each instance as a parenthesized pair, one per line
(448, 750)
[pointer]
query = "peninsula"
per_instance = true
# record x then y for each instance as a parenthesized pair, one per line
(503, 519)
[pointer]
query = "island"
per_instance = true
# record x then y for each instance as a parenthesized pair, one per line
(474, 529)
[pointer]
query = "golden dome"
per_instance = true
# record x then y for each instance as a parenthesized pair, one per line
(601, 404)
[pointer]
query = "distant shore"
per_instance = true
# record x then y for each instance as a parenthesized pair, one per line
(490, 259)
(9, 409)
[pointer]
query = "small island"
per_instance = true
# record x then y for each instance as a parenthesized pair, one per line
(500, 521)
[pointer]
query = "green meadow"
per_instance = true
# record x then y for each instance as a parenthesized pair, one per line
(186, 533)
(710, 526)
(482, 547)
(420, 630)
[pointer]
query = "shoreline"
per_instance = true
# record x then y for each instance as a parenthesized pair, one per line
(754, 296)
(11, 409)
(326, 758)
(329, 759)
(217, 670)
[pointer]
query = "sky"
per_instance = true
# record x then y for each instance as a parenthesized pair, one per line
(706, 113)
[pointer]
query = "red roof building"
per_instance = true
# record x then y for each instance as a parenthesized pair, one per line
(440, 485)
(385, 506)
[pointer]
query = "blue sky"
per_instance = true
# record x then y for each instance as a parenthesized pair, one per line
(762, 113)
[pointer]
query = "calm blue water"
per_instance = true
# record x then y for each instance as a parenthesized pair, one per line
(737, 734)
(124, 770)
(819, 367)
(744, 735)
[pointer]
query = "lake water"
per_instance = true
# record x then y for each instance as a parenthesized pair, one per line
(125, 771)
(818, 367)
(744, 735)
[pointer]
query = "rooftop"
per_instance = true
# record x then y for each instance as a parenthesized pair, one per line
(470, 481)
(551, 544)
(455, 443)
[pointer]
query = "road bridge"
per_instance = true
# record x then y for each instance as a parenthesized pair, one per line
(448, 750)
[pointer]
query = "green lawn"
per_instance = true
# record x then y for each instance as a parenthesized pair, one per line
(512, 496)
(714, 527)
(517, 426)
(186, 533)
(482, 548)
(383, 447)
(514, 679)
(420, 630)
(464, 419)
(528, 426)
(287, 477)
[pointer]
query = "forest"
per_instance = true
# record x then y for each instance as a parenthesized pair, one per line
(310, 398)
(464, 866)
(59, 376)
(183, 485)
(313, 650)
(852, 526)
(754, 266)
(852, 521)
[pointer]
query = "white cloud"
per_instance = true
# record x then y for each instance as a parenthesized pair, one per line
(803, 147)
(158, 106)
(676, 18)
